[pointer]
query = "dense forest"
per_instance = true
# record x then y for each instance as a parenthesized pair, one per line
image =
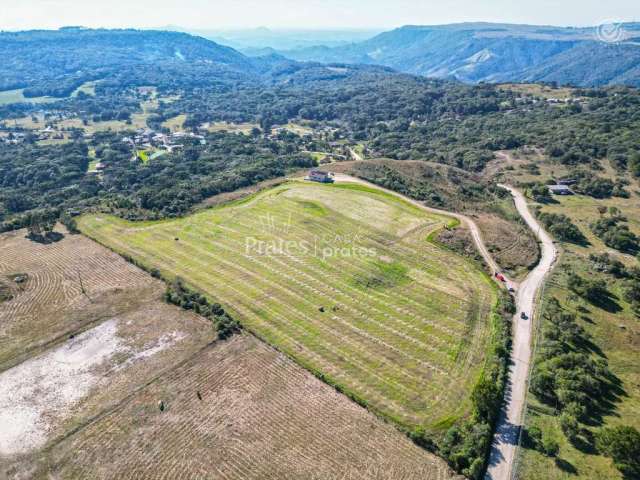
(398, 116)
(35, 177)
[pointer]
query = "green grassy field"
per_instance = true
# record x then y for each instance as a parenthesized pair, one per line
(539, 90)
(16, 96)
(341, 278)
(88, 88)
(296, 128)
(175, 124)
(232, 127)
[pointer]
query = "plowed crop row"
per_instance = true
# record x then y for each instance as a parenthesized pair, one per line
(259, 416)
(403, 328)
(51, 302)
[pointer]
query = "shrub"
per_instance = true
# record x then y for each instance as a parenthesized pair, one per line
(595, 187)
(594, 291)
(604, 263)
(540, 193)
(569, 426)
(562, 228)
(550, 447)
(622, 444)
(616, 235)
(179, 294)
(69, 222)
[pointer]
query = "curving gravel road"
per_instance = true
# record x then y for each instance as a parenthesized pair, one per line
(471, 225)
(505, 442)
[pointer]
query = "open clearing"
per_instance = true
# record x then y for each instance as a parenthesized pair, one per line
(175, 124)
(17, 96)
(230, 127)
(341, 278)
(82, 330)
(542, 91)
(89, 350)
(138, 120)
(260, 417)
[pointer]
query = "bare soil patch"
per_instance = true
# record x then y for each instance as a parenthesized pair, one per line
(82, 330)
(90, 352)
(240, 410)
(511, 244)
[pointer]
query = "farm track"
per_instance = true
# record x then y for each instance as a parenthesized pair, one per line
(507, 435)
(407, 351)
(508, 430)
(473, 228)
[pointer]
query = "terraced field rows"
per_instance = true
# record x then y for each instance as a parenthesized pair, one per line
(259, 416)
(83, 330)
(51, 301)
(404, 328)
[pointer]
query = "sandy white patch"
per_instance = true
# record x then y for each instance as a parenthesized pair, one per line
(150, 349)
(40, 392)
(48, 384)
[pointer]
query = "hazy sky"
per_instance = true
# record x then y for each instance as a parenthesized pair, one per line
(23, 14)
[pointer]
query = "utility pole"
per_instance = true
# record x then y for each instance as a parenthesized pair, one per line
(84, 292)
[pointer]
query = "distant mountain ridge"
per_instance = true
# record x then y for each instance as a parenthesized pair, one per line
(477, 52)
(56, 62)
(256, 39)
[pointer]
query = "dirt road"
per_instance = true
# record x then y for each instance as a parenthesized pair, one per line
(468, 222)
(505, 441)
(356, 156)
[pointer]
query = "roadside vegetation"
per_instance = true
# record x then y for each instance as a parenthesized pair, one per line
(101, 364)
(361, 288)
(68, 152)
(584, 391)
(510, 242)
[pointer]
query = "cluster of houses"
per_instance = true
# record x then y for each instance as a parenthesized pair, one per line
(563, 187)
(148, 139)
(13, 138)
(49, 133)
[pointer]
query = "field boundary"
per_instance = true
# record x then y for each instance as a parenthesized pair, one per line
(449, 221)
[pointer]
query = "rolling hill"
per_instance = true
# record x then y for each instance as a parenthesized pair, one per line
(477, 52)
(56, 62)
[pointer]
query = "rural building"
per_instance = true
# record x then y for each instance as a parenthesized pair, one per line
(568, 181)
(320, 176)
(560, 190)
